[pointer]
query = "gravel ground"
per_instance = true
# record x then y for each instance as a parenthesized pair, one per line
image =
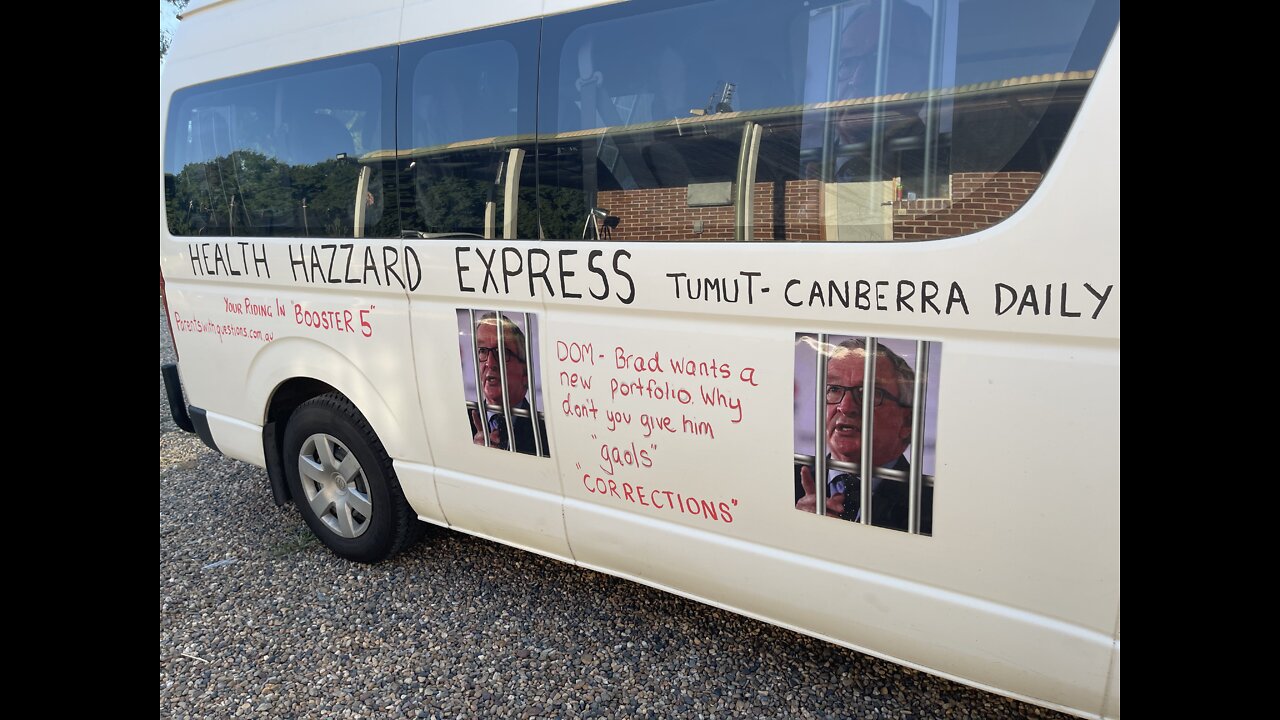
(258, 620)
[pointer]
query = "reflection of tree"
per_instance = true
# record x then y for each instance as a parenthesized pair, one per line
(454, 204)
(563, 211)
(450, 192)
(166, 36)
(249, 193)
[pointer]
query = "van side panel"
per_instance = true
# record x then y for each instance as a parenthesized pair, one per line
(275, 34)
(434, 18)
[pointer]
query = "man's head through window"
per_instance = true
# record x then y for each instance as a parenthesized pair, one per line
(865, 69)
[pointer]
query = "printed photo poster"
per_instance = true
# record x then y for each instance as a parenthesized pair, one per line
(830, 396)
(500, 380)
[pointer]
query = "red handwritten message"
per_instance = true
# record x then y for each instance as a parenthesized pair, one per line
(634, 401)
(354, 321)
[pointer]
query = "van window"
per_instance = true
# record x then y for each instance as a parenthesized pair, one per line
(287, 152)
(466, 125)
(764, 120)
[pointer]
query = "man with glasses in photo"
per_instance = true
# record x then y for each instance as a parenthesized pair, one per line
(489, 375)
(844, 395)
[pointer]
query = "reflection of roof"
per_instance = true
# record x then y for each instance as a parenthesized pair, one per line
(983, 90)
(501, 142)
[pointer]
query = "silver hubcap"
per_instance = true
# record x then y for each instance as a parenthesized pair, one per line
(335, 485)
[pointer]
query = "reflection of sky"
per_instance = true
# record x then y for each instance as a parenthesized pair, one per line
(660, 63)
(806, 368)
(469, 359)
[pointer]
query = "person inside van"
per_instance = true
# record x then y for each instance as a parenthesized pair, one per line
(489, 378)
(866, 70)
(891, 434)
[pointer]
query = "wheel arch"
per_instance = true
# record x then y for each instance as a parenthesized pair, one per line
(290, 372)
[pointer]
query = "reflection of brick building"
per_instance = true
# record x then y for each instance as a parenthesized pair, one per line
(978, 201)
(664, 214)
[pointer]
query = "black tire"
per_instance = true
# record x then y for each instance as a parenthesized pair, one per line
(343, 483)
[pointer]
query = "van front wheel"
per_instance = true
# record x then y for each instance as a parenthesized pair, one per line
(343, 483)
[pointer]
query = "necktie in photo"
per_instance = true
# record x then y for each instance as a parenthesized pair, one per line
(847, 483)
(496, 423)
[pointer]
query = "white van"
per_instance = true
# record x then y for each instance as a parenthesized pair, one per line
(557, 274)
